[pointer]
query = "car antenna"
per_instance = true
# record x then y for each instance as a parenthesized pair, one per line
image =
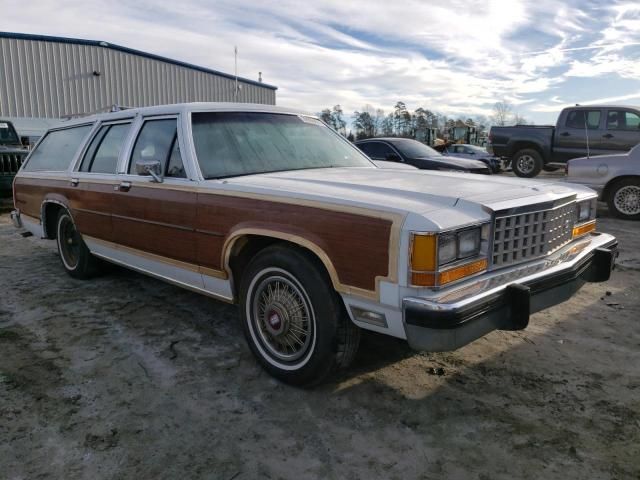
(586, 132)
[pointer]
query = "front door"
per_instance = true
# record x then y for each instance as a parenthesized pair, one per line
(155, 221)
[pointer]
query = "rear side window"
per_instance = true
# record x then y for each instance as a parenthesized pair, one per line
(104, 150)
(584, 119)
(57, 149)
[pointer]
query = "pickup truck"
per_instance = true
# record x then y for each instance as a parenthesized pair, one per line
(580, 131)
(11, 155)
(273, 210)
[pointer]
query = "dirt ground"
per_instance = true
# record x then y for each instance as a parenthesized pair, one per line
(128, 377)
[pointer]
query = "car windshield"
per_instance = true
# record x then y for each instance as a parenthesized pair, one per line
(8, 134)
(477, 149)
(414, 149)
(230, 144)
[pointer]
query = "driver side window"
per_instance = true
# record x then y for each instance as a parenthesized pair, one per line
(158, 142)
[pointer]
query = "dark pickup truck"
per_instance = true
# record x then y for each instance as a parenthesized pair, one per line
(580, 131)
(12, 153)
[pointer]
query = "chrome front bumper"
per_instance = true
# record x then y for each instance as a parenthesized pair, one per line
(503, 300)
(15, 218)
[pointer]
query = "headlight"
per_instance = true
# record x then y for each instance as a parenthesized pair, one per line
(438, 259)
(447, 249)
(586, 210)
(468, 243)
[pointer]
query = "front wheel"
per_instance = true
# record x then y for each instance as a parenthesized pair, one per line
(74, 254)
(293, 320)
(527, 163)
(624, 199)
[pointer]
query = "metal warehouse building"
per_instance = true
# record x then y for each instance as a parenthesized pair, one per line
(53, 77)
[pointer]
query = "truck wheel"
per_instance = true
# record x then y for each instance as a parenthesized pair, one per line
(293, 320)
(624, 199)
(526, 163)
(74, 254)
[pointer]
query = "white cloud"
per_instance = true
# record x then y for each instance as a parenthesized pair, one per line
(454, 57)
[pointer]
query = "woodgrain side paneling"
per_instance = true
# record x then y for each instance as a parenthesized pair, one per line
(195, 226)
(159, 221)
(357, 245)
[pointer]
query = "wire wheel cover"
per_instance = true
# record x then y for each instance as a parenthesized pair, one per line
(627, 200)
(282, 317)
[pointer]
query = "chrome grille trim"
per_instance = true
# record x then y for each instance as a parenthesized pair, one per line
(527, 236)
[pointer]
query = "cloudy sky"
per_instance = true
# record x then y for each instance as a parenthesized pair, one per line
(455, 57)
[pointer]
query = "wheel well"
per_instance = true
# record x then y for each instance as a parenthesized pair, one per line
(522, 145)
(247, 247)
(607, 188)
(50, 215)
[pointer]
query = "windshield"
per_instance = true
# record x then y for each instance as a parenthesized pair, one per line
(477, 149)
(230, 144)
(414, 149)
(8, 134)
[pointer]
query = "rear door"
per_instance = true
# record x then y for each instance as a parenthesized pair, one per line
(622, 131)
(93, 182)
(579, 127)
(157, 220)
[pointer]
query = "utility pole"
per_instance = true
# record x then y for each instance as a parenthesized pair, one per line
(235, 51)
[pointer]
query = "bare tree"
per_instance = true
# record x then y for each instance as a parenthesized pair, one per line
(502, 112)
(519, 119)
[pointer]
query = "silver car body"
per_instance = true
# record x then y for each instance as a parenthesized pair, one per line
(601, 171)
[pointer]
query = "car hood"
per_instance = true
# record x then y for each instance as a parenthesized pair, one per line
(455, 161)
(415, 191)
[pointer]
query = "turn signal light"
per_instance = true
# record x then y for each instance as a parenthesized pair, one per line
(462, 271)
(584, 229)
(423, 252)
(421, 279)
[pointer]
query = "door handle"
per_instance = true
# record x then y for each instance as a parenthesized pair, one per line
(565, 134)
(123, 187)
(608, 135)
(74, 182)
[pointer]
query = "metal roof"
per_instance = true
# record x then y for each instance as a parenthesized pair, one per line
(99, 43)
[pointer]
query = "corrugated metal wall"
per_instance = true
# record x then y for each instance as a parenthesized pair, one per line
(51, 79)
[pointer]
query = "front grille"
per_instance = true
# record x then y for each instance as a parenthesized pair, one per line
(10, 163)
(525, 236)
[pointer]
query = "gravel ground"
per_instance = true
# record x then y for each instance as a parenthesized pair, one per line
(127, 377)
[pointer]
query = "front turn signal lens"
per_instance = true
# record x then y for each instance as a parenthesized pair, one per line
(584, 229)
(423, 253)
(462, 271)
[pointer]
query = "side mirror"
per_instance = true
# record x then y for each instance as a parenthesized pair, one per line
(392, 157)
(150, 167)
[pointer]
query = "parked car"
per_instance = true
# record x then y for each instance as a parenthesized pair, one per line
(609, 129)
(616, 178)
(473, 152)
(393, 165)
(271, 209)
(413, 152)
(11, 155)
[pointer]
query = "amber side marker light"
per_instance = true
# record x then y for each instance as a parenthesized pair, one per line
(462, 271)
(584, 229)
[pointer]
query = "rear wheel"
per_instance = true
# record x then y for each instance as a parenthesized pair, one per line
(527, 163)
(293, 320)
(624, 199)
(74, 254)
